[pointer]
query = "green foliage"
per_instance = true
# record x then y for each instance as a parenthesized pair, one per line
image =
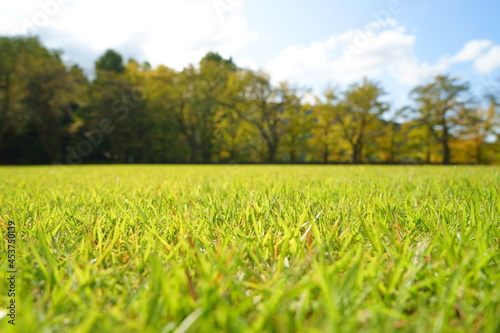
(216, 112)
(254, 248)
(111, 61)
(38, 97)
(359, 107)
(440, 104)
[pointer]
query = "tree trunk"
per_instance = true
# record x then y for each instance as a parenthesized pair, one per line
(207, 156)
(356, 153)
(446, 144)
(326, 154)
(48, 146)
(391, 157)
(479, 151)
(392, 149)
(272, 153)
(293, 156)
(446, 152)
(193, 156)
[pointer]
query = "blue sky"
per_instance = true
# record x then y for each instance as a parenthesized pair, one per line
(318, 43)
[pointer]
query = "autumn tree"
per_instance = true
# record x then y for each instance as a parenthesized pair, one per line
(264, 106)
(165, 102)
(214, 111)
(479, 124)
(236, 137)
(439, 104)
(198, 108)
(359, 106)
(209, 90)
(297, 124)
(392, 135)
(324, 128)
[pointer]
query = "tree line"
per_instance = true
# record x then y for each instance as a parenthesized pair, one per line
(217, 112)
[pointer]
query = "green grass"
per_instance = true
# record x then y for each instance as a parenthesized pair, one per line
(253, 248)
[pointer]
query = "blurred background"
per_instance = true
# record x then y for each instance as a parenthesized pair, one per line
(235, 81)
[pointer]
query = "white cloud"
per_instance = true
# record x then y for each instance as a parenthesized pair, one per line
(488, 62)
(179, 32)
(483, 53)
(351, 56)
(175, 32)
(354, 54)
(247, 63)
(472, 50)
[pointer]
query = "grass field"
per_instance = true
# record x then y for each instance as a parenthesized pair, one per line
(253, 248)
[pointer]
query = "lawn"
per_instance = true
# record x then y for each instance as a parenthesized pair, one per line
(252, 248)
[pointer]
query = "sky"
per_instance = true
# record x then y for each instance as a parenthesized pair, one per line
(313, 44)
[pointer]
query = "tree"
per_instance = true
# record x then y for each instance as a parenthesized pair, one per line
(110, 61)
(439, 104)
(38, 101)
(210, 87)
(298, 125)
(392, 135)
(419, 145)
(360, 106)
(478, 124)
(198, 108)
(50, 98)
(164, 100)
(235, 137)
(13, 114)
(325, 131)
(263, 105)
(116, 98)
(214, 111)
